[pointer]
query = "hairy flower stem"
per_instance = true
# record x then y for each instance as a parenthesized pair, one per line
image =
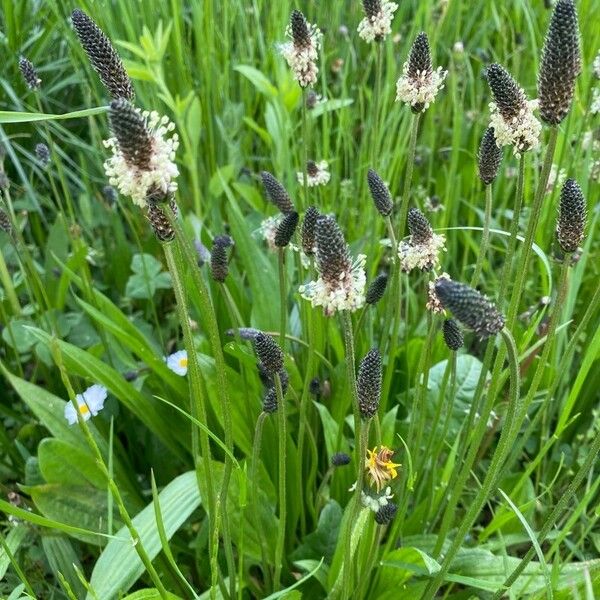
(281, 436)
(495, 469)
(112, 487)
(358, 452)
(410, 163)
(304, 403)
(514, 231)
(282, 298)
(485, 236)
(534, 218)
(176, 267)
(208, 311)
(305, 148)
(556, 513)
(254, 491)
(377, 102)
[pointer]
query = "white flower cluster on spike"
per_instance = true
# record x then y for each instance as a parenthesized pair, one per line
(522, 131)
(421, 256)
(132, 181)
(421, 89)
(268, 229)
(433, 302)
(303, 61)
(374, 503)
(320, 177)
(375, 28)
(347, 293)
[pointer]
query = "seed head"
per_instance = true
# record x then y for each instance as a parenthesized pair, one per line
(386, 513)
(29, 73)
(314, 387)
(309, 230)
(508, 96)
(340, 459)
(371, 8)
(5, 224)
(571, 217)
(470, 307)
(380, 193)
(245, 333)
(419, 227)
(452, 335)
(300, 30)
(419, 59)
(276, 193)
(223, 240)
(160, 222)
(42, 153)
(219, 263)
(561, 63)
(129, 127)
(269, 353)
(286, 229)
(368, 384)
(103, 56)
(270, 401)
(333, 256)
(109, 193)
(490, 157)
(377, 288)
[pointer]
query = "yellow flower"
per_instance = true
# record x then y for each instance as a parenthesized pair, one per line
(379, 466)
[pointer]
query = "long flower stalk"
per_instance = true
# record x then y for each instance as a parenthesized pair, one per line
(282, 457)
(509, 433)
(112, 487)
(208, 312)
(485, 237)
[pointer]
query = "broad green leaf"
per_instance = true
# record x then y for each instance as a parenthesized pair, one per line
(322, 542)
(64, 463)
(148, 410)
(7, 116)
(150, 594)
(330, 431)
(258, 80)
(14, 539)
(63, 559)
(148, 276)
(84, 507)
(119, 565)
(17, 335)
(330, 105)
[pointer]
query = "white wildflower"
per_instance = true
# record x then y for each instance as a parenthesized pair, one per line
(302, 54)
(595, 106)
(158, 175)
(347, 293)
(316, 174)
(420, 90)
(374, 503)
(178, 362)
(89, 404)
(522, 131)
(268, 229)
(375, 27)
(423, 256)
(433, 302)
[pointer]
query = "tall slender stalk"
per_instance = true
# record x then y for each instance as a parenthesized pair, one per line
(196, 387)
(514, 231)
(282, 298)
(410, 163)
(485, 236)
(534, 218)
(305, 148)
(113, 488)
(557, 511)
(377, 103)
(509, 432)
(282, 442)
(358, 456)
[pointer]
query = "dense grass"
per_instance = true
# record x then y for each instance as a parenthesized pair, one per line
(89, 295)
